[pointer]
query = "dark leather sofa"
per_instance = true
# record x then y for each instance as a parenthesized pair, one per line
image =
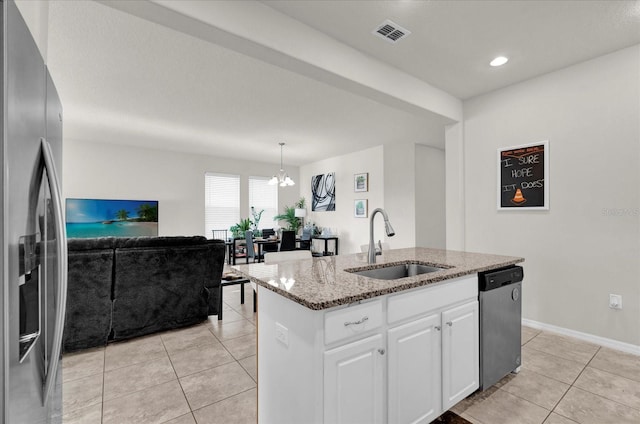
(119, 288)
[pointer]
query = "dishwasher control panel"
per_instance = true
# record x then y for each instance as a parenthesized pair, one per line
(497, 278)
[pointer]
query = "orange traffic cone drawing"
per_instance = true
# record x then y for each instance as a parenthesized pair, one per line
(518, 198)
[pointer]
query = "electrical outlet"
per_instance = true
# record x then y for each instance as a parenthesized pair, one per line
(282, 334)
(615, 301)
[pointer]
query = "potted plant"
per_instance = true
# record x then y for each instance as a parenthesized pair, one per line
(289, 216)
(301, 204)
(256, 221)
(242, 226)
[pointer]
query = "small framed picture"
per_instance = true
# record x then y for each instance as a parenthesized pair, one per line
(361, 182)
(360, 208)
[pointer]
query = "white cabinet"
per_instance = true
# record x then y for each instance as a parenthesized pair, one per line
(353, 382)
(401, 358)
(460, 353)
(432, 363)
(414, 370)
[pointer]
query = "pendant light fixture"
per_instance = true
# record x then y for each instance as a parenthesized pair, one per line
(282, 178)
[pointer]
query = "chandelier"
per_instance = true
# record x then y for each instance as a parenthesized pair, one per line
(282, 178)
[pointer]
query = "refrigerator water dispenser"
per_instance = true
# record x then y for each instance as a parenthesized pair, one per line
(30, 294)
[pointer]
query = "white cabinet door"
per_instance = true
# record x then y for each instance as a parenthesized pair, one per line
(413, 370)
(460, 353)
(353, 382)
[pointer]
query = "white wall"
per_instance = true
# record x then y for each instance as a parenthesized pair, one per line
(400, 193)
(430, 197)
(352, 231)
(176, 180)
(454, 186)
(588, 244)
(405, 179)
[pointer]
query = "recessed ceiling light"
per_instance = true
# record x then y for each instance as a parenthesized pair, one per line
(499, 61)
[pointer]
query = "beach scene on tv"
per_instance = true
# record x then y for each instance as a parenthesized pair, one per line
(88, 218)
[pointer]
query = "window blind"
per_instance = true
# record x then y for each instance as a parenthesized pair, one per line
(222, 202)
(263, 196)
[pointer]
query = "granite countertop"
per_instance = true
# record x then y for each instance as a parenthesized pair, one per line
(321, 283)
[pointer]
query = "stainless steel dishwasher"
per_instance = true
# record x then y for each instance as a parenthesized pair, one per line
(500, 323)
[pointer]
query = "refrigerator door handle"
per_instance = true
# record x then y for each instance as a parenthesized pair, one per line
(61, 241)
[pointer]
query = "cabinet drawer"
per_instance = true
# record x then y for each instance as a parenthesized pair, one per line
(352, 321)
(417, 302)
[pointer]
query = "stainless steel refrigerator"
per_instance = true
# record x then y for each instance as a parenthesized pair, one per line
(33, 248)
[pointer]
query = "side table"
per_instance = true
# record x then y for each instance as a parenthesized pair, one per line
(242, 282)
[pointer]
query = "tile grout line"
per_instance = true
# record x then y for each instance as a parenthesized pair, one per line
(553, 410)
(550, 411)
(177, 378)
(233, 338)
(228, 397)
(230, 362)
(191, 411)
(563, 395)
(572, 385)
(175, 373)
(527, 400)
(607, 372)
(561, 357)
(555, 356)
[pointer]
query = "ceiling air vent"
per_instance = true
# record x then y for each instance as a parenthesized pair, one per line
(391, 31)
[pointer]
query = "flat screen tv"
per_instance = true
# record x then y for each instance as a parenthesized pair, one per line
(88, 218)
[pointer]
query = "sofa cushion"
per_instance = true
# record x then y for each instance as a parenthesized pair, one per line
(133, 242)
(88, 314)
(83, 244)
(159, 288)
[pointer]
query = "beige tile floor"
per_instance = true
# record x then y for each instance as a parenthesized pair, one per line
(202, 374)
(207, 374)
(563, 381)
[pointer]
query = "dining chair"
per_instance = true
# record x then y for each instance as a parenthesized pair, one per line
(266, 233)
(251, 249)
(219, 234)
(292, 255)
(305, 239)
(288, 241)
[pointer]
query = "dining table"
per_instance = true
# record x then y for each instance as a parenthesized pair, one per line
(261, 242)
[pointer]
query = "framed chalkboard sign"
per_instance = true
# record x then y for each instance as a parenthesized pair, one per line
(523, 177)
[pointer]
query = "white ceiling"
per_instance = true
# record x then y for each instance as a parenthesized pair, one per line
(128, 80)
(452, 42)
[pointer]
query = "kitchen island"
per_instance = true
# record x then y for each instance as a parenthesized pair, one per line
(335, 346)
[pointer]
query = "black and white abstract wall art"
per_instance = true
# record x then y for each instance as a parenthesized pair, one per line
(323, 192)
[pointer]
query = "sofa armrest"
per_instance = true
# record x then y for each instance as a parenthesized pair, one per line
(217, 250)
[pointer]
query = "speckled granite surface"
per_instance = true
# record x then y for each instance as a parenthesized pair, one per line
(322, 283)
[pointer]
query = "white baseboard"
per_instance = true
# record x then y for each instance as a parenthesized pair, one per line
(602, 341)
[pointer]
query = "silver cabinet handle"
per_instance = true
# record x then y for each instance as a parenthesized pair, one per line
(437, 327)
(363, 319)
(381, 351)
(449, 323)
(61, 241)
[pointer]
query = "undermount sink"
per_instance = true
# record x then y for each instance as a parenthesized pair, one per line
(394, 272)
